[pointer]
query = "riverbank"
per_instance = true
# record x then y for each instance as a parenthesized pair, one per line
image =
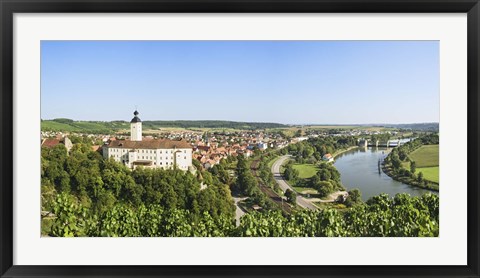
(339, 152)
(387, 169)
(359, 169)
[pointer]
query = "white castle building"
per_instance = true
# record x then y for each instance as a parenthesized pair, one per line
(155, 153)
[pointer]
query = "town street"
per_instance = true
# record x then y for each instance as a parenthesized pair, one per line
(301, 201)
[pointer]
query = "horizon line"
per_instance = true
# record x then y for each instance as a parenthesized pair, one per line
(255, 122)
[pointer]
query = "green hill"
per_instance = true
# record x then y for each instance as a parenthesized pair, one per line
(113, 126)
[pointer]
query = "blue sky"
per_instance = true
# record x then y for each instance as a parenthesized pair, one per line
(291, 82)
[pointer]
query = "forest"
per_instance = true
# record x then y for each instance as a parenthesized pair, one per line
(85, 180)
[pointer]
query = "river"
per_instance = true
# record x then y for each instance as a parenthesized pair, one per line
(359, 169)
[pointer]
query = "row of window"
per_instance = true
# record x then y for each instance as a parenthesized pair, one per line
(147, 157)
(166, 163)
(141, 151)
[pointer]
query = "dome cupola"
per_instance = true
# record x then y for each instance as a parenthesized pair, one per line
(136, 119)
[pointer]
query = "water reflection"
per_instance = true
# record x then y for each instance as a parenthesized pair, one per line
(360, 168)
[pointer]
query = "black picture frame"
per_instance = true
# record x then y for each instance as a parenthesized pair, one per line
(9, 7)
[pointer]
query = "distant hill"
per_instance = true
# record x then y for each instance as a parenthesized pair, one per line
(69, 125)
(417, 126)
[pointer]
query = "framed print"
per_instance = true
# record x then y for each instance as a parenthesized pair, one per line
(236, 138)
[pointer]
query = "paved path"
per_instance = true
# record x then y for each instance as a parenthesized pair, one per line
(238, 211)
(301, 201)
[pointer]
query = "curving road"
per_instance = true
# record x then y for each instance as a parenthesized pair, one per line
(301, 201)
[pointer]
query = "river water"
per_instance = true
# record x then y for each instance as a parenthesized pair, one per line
(359, 169)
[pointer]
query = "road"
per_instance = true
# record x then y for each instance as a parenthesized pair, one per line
(301, 201)
(238, 211)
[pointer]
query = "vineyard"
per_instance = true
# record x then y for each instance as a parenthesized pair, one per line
(381, 216)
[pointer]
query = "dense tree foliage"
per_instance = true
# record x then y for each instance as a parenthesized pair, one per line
(291, 196)
(381, 216)
(313, 149)
(247, 185)
(97, 186)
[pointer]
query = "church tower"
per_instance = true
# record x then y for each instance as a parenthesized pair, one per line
(136, 128)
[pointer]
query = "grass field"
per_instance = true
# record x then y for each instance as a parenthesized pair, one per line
(305, 190)
(305, 170)
(429, 173)
(425, 156)
(79, 126)
(427, 161)
(55, 126)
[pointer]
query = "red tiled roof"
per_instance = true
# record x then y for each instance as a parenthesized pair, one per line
(50, 143)
(150, 144)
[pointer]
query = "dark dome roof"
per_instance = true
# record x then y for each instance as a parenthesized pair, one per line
(136, 119)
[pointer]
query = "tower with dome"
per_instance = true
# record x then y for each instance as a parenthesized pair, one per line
(153, 153)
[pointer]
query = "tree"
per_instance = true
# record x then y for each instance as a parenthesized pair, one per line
(420, 177)
(413, 167)
(324, 188)
(196, 164)
(324, 174)
(291, 174)
(315, 179)
(291, 196)
(354, 197)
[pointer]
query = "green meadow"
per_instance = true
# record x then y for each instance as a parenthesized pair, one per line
(305, 170)
(429, 173)
(427, 161)
(425, 156)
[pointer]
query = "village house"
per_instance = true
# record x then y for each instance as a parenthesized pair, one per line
(327, 157)
(52, 142)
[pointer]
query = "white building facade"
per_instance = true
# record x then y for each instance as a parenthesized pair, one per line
(155, 153)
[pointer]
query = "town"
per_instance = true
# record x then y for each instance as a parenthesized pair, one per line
(207, 147)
